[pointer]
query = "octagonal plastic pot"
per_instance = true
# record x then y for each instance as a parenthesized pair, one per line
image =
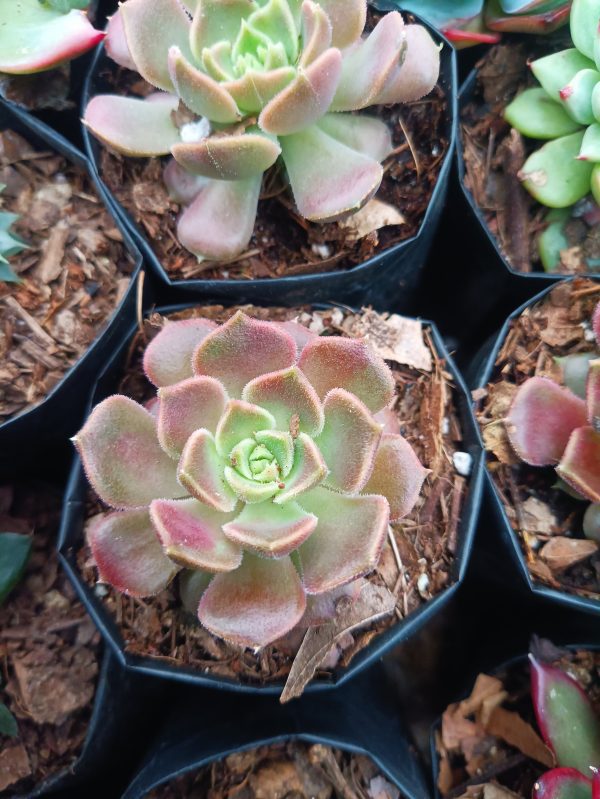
(359, 718)
(59, 414)
(481, 374)
(391, 278)
(71, 538)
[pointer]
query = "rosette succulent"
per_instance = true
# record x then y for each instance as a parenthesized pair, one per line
(260, 471)
(36, 35)
(571, 729)
(246, 84)
(559, 425)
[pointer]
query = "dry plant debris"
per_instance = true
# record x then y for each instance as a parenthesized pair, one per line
(292, 770)
(73, 274)
(416, 563)
(547, 520)
(48, 649)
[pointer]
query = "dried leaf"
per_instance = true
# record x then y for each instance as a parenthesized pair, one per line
(561, 552)
(510, 727)
(395, 338)
(372, 216)
(538, 517)
(373, 603)
(14, 765)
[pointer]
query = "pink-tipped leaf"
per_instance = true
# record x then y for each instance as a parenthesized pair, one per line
(199, 92)
(367, 135)
(235, 157)
(308, 470)
(349, 441)
(566, 718)
(347, 18)
(168, 357)
(201, 471)
(417, 74)
(398, 475)
(131, 126)
(299, 332)
(580, 463)
(287, 395)
(316, 32)
(129, 555)
(563, 783)
(255, 604)
(347, 542)
(271, 530)
(191, 535)
(335, 362)
(122, 457)
(181, 185)
(187, 406)
(242, 349)
(542, 417)
(115, 43)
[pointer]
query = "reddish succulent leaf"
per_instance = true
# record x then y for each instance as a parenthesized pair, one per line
(542, 417)
(187, 406)
(36, 38)
(367, 135)
(417, 74)
(220, 221)
(287, 394)
(168, 357)
(300, 333)
(389, 419)
(151, 28)
(348, 19)
(320, 608)
(109, 116)
(122, 457)
(182, 187)
(398, 475)
(562, 783)
(128, 554)
(306, 99)
(593, 393)
(240, 420)
(271, 530)
(347, 542)
(115, 43)
(192, 536)
(596, 785)
(336, 362)
(566, 718)
(349, 441)
(580, 463)
(242, 349)
(199, 92)
(316, 32)
(309, 470)
(234, 157)
(255, 604)
(201, 471)
(596, 323)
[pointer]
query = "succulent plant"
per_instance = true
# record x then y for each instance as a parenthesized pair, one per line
(558, 425)
(256, 82)
(9, 245)
(473, 22)
(571, 729)
(261, 471)
(41, 34)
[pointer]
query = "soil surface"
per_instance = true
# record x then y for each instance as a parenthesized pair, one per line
(416, 563)
(73, 273)
(489, 744)
(292, 770)
(547, 520)
(48, 650)
(494, 154)
(283, 243)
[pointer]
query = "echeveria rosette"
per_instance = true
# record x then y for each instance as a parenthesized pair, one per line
(571, 729)
(261, 80)
(37, 35)
(262, 463)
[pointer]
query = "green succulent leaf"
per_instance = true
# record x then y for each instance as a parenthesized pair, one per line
(584, 25)
(555, 71)
(9, 245)
(8, 723)
(64, 6)
(14, 553)
(536, 115)
(554, 176)
(553, 239)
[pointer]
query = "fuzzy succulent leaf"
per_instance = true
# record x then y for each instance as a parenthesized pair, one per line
(579, 466)
(168, 357)
(566, 718)
(14, 554)
(39, 36)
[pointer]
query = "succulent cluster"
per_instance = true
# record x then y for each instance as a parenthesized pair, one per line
(41, 34)
(260, 470)
(559, 425)
(571, 729)
(9, 245)
(246, 84)
(470, 22)
(565, 111)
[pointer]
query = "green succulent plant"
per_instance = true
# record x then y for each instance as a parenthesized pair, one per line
(261, 81)
(9, 245)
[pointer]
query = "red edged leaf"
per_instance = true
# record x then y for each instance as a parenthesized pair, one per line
(187, 406)
(592, 393)
(541, 419)
(596, 323)
(168, 357)
(398, 475)
(565, 716)
(201, 471)
(286, 394)
(271, 530)
(580, 464)
(562, 783)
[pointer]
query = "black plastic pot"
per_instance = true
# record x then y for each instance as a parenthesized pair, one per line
(514, 662)
(391, 278)
(71, 537)
(484, 365)
(58, 416)
(359, 718)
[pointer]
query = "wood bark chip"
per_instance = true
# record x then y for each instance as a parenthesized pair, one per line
(561, 553)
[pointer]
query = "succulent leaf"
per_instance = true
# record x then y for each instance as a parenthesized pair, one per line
(591, 522)
(8, 723)
(575, 370)
(187, 406)
(201, 93)
(554, 176)
(367, 135)
(201, 471)
(397, 474)
(116, 42)
(271, 530)
(538, 116)
(316, 32)
(562, 783)
(584, 24)
(14, 554)
(417, 72)
(576, 96)
(309, 470)
(557, 70)
(232, 157)
(580, 463)
(566, 719)
(168, 357)
(593, 393)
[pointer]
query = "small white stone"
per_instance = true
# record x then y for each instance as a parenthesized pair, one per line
(463, 463)
(445, 426)
(195, 131)
(337, 317)
(422, 583)
(589, 334)
(322, 250)
(101, 589)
